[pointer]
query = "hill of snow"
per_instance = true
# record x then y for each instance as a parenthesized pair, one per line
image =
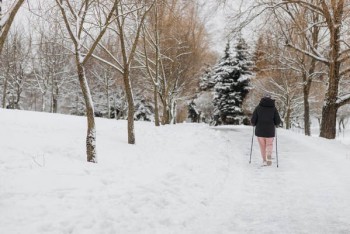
(184, 178)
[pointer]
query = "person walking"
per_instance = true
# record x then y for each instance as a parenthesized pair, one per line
(265, 119)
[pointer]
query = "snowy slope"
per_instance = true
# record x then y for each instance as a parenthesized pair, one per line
(185, 178)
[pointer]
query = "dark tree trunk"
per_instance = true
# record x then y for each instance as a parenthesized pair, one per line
(4, 93)
(328, 122)
(288, 112)
(306, 93)
(330, 108)
(55, 101)
(329, 111)
(307, 130)
(108, 101)
(156, 109)
(287, 119)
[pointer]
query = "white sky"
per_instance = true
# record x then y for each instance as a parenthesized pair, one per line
(216, 18)
(218, 21)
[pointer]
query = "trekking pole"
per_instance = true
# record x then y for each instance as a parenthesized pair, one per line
(276, 148)
(251, 146)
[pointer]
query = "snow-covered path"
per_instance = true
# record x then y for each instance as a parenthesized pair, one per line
(185, 178)
(308, 193)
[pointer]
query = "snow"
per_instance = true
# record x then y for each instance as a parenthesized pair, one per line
(183, 178)
(343, 98)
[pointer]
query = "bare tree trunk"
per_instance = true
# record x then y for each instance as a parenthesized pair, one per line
(131, 107)
(307, 129)
(127, 60)
(156, 109)
(52, 97)
(80, 61)
(43, 102)
(54, 104)
(91, 131)
(4, 94)
(173, 112)
(166, 116)
(329, 111)
(108, 101)
(55, 100)
(287, 119)
(288, 113)
(328, 122)
(127, 82)
(306, 93)
(35, 102)
(307, 81)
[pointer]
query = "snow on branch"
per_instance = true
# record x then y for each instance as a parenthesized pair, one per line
(344, 56)
(344, 72)
(107, 63)
(308, 5)
(317, 57)
(343, 100)
(101, 33)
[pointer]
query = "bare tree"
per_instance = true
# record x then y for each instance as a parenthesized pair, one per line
(14, 67)
(127, 29)
(6, 20)
(151, 61)
(105, 83)
(51, 68)
(175, 47)
(79, 22)
(332, 50)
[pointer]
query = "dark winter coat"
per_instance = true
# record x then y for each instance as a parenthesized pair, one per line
(265, 118)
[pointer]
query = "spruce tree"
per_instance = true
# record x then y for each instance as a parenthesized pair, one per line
(207, 81)
(144, 111)
(232, 84)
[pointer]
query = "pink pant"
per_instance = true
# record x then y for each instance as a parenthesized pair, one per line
(266, 145)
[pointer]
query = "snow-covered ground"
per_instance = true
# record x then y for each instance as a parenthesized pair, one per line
(185, 178)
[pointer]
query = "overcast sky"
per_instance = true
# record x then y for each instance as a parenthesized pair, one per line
(216, 18)
(218, 21)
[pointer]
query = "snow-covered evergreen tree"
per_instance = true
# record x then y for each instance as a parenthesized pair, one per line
(232, 84)
(207, 81)
(143, 110)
